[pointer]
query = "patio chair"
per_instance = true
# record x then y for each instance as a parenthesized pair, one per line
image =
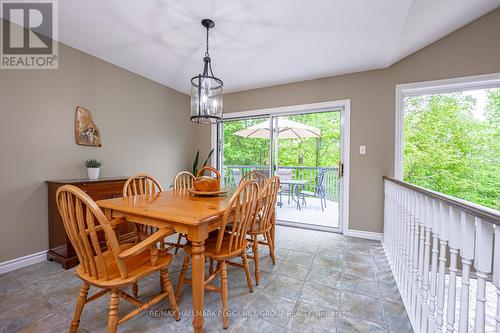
(284, 174)
(319, 190)
(265, 172)
(236, 176)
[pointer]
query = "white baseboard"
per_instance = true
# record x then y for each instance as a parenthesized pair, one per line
(364, 234)
(16, 263)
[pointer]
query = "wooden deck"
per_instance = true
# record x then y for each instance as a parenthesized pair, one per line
(310, 213)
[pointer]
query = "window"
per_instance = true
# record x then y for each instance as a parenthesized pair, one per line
(452, 138)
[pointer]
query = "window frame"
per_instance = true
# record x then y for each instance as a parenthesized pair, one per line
(475, 82)
(344, 106)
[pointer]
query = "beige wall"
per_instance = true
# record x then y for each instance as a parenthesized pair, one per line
(472, 50)
(145, 127)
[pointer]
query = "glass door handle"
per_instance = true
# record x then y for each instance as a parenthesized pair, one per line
(340, 169)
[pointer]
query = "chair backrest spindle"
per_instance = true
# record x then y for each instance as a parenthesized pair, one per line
(241, 213)
(266, 205)
(141, 184)
(258, 176)
(183, 180)
(80, 214)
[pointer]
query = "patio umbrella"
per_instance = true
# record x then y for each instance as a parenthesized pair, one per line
(287, 129)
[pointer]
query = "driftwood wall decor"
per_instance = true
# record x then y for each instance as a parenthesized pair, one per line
(86, 131)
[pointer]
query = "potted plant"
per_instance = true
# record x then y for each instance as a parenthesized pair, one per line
(93, 168)
(196, 161)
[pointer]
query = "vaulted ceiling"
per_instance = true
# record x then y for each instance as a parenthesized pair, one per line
(260, 42)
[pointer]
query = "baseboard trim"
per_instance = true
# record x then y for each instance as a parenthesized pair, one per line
(21, 262)
(364, 234)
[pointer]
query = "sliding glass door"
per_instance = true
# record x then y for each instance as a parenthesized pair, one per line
(304, 150)
(307, 155)
(243, 149)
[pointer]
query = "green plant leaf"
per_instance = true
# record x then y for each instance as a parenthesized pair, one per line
(93, 163)
(208, 158)
(195, 164)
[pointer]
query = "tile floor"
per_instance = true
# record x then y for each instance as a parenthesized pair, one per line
(322, 282)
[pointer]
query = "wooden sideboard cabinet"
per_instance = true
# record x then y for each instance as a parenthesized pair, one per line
(60, 248)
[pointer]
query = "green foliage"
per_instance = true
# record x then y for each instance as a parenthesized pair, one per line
(449, 149)
(93, 163)
(196, 161)
(244, 151)
(323, 151)
(306, 152)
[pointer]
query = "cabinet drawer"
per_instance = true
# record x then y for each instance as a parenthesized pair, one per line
(100, 191)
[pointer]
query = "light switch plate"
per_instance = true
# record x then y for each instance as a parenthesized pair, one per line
(362, 150)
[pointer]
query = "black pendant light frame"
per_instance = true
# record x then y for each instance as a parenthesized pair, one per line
(208, 74)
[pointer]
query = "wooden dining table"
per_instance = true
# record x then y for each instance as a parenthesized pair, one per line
(195, 216)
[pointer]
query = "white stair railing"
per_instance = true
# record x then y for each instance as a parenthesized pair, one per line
(445, 256)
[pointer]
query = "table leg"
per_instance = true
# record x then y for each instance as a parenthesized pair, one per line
(108, 213)
(297, 193)
(198, 281)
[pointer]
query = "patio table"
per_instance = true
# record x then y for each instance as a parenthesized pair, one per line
(296, 185)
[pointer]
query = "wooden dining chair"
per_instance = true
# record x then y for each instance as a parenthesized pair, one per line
(140, 184)
(258, 176)
(227, 243)
(115, 266)
(263, 223)
(182, 181)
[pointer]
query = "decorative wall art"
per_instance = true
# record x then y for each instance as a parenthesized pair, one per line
(86, 131)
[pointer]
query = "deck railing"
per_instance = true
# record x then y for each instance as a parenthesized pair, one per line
(298, 172)
(444, 253)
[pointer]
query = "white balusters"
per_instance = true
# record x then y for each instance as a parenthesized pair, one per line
(420, 273)
(402, 238)
(467, 233)
(443, 239)
(427, 258)
(482, 264)
(454, 226)
(422, 231)
(408, 247)
(393, 221)
(496, 274)
(416, 228)
(436, 223)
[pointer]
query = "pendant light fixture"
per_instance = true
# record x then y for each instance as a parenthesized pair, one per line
(206, 90)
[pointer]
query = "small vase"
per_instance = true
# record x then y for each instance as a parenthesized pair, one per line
(93, 173)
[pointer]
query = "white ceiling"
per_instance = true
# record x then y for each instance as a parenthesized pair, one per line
(260, 42)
